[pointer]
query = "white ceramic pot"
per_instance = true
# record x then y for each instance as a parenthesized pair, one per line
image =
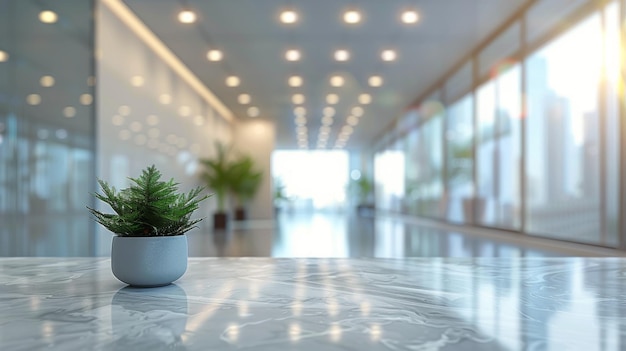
(149, 261)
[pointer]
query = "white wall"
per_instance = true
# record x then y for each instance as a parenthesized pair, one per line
(256, 138)
(136, 130)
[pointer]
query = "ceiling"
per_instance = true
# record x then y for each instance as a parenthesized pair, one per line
(254, 42)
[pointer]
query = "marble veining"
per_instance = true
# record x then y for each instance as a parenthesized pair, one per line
(319, 304)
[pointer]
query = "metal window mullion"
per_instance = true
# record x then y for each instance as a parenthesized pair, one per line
(523, 125)
(475, 75)
(622, 132)
(602, 118)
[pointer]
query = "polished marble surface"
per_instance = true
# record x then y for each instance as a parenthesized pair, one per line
(319, 304)
(332, 234)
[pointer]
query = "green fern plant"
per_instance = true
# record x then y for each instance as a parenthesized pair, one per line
(149, 207)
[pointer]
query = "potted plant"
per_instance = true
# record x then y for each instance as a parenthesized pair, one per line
(218, 177)
(362, 189)
(460, 174)
(279, 195)
(150, 220)
(245, 182)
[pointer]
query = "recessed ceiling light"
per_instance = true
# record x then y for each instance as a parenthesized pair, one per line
(352, 120)
(289, 16)
(300, 120)
(137, 81)
(365, 99)
(299, 111)
(328, 111)
(410, 17)
(297, 99)
(33, 99)
(86, 99)
(184, 111)
(135, 127)
(332, 99)
(186, 16)
(301, 130)
(117, 120)
(4, 56)
(198, 120)
(69, 112)
(124, 110)
(165, 99)
(61, 133)
(48, 16)
(253, 111)
(243, 99)
(214, 55)
(342, 55)
(295, 81)
(347, 130)
(336, 81)
(232, 81)
(46, 81)
(152, 120)
(352, 17)
(388, 55)
(292, 55)
(375, 81)
(357, 111)
(327, 120)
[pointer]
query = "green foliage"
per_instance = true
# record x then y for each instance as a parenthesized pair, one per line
(362, 188)
(279, 192)
(245, 180)
(149, 207)
(218, 175)
(460, 164)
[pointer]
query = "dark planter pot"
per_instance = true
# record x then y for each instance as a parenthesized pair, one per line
(240, 214)
(365, 209)
(220, 220)
(473, 210)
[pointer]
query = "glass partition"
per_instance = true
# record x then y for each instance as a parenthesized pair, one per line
(563, 192)
(460, 161)
(46, 128)
(568, 115)
(498, 156)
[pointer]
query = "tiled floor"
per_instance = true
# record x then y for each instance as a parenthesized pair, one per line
(340, 235)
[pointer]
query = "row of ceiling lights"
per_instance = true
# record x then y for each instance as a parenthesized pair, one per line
(327, 120)
(291, 17)
(48, 81)
(293, 55)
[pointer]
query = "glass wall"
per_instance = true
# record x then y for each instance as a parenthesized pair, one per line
(498, 156)
(563, 195)
(460, 161)
(532, 143)
(424, 164)
(46, 128)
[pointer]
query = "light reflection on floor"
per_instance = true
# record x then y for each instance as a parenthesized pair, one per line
(317, 234)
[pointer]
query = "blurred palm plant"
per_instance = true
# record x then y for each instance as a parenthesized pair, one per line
(245, 180)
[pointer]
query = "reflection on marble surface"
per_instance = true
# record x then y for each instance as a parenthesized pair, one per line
(319, 304)
(327, 234)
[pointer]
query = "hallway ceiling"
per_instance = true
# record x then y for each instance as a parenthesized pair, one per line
(254, 41)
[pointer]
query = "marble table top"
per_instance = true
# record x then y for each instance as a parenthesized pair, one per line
(318, 304)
